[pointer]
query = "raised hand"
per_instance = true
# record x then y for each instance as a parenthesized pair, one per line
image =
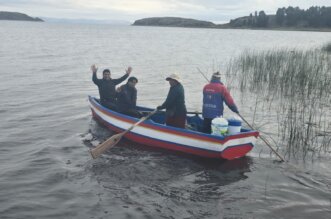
(129, 70)
(94, 68)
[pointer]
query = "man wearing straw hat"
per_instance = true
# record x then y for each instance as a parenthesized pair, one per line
(175, 103)
(214, 94)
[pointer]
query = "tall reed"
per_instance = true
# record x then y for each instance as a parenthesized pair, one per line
(297, 87)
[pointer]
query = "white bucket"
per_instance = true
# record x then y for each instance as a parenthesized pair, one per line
(234, 125)
(219, 126)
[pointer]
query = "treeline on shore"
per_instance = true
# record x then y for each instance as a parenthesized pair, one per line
(316, 17)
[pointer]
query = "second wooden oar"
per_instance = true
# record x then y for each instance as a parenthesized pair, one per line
(265, 141)
(113, 140)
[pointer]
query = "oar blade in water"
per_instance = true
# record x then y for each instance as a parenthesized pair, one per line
(111, 142)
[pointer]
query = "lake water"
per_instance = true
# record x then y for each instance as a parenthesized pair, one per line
(47, 172)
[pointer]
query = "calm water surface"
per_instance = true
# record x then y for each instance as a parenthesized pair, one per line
(46, 171)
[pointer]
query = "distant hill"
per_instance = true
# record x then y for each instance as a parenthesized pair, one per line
(4, 15)
(173, 22)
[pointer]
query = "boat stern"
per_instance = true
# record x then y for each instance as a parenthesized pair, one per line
(241, 147)
(234, 152)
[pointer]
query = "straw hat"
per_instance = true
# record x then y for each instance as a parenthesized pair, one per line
(174, 77)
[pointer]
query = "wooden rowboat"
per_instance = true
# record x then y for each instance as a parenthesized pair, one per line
(155, 133)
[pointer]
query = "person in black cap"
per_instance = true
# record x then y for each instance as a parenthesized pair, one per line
(107, 85)
(175, 103)
(214, 94)
(127, 98)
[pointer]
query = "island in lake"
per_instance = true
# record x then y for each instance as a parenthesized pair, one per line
(314, 18)
(173, 22)
(15, 16)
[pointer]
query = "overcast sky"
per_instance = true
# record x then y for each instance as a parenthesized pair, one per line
(218, 11)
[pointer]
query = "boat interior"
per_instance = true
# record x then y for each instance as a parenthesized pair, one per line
(194, 120)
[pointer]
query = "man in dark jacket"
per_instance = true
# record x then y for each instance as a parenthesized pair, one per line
(107, 85)
(175, 103)
(127, 98)
(214, 94)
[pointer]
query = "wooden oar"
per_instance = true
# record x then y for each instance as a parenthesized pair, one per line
(113, 140)
(265, 141)
(280, 157)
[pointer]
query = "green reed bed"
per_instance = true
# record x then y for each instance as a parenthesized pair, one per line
(296, 85)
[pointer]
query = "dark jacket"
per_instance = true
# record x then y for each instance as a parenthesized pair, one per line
(107, 90)
(127, 98)
(175, 102)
